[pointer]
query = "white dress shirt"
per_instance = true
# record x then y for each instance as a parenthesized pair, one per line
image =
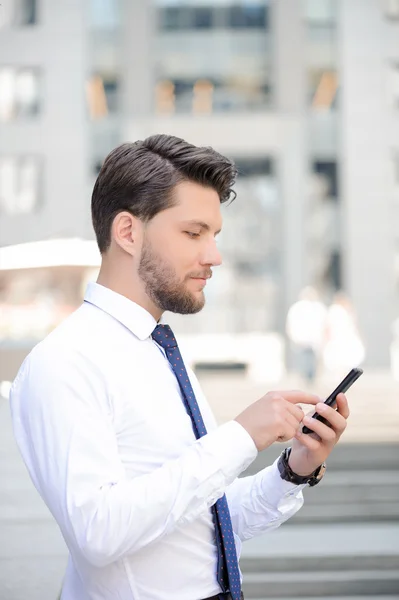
(99, 420)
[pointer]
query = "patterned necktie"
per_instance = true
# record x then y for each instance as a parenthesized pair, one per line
(228, 573)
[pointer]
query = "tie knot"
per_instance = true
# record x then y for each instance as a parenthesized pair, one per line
(164, 336)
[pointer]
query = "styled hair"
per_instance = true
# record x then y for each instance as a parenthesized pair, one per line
(140, 178)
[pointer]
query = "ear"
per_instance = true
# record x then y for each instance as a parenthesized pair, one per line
(126, 231)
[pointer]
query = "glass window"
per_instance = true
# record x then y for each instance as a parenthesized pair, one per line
(323, 89)
(327, 170)
(19, 92)
(251, 167)
(320, 13)
(202, 17)
(170, 18)
(237, 15)
(391, 9)
(320, 21)
(102, 95)
(18, 13)
(205, 96)
(19, 184)
(104, 14)
(230, 71)
(247, 15)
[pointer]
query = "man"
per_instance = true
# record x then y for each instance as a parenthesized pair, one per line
(115, 431)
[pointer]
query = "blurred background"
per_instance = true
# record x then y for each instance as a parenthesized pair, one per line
(304, 96)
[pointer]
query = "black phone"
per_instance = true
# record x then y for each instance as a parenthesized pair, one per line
(332, 398)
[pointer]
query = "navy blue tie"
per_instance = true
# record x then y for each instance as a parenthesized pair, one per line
(228, 573)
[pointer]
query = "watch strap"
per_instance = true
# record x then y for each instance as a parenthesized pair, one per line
(288, 474)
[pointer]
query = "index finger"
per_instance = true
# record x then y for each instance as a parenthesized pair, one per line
(300, 397)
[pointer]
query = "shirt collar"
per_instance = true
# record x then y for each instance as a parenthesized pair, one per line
(133, 316)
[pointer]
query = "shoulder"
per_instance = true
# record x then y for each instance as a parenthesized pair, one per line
(66, 351)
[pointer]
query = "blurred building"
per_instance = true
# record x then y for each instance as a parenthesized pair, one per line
(302, 94)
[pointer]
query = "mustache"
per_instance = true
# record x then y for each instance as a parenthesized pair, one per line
(201, 275)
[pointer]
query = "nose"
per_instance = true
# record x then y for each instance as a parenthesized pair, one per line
(212, 255)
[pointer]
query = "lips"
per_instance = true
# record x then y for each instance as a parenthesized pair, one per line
(207, 276)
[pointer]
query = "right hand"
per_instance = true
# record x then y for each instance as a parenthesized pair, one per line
(275, 417)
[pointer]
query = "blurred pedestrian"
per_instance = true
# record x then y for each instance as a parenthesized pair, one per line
(344, 347)
(115, 430)
(305, 327)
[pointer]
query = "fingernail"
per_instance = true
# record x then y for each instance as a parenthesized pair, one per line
(321, 407)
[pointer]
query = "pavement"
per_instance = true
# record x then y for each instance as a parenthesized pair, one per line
(33, 554)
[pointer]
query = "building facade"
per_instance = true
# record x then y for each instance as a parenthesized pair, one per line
(303, 95)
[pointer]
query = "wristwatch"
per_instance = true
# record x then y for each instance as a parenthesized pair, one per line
(287, 474)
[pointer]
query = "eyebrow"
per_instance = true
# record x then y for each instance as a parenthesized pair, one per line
(201, 224)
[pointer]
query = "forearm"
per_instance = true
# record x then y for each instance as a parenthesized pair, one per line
(125, 516)
(262, 502)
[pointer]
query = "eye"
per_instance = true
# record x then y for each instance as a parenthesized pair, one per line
(191, 234)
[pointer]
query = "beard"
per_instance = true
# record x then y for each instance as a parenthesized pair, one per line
(163, 286)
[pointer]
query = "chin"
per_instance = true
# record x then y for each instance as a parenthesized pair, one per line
(199, 302)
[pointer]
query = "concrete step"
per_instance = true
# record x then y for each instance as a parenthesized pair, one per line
(321, 583)
(324, 541)
(355, 486)
(352, 496)
(345, 457)
(377, 512)
(309, 564)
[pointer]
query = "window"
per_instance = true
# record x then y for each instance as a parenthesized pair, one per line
(170, 18)
(206, 96)
(18, 13)
(327, 170)
(202, 17)
(19, 184)
(19, 92)
(252, 167)
(391, 9)
(320, 13)
(102, 95)
(226, 63)
(238, 15)
(323, 88)
(104, 14)
(251, 15)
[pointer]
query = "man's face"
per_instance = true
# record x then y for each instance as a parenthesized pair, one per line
(179, 249)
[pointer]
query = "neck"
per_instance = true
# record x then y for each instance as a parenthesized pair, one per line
(123, 280)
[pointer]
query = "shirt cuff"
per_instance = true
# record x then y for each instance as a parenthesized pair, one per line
(276, 489)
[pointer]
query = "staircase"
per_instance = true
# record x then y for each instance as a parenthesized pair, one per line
(343, 543)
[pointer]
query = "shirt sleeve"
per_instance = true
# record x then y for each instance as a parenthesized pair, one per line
(62, 421)
(262, 502)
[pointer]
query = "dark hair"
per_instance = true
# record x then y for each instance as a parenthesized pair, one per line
(140, 178)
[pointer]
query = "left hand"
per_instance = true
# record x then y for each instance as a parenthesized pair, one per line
(309, 451)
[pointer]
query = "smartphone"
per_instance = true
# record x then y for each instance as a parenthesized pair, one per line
(332, 398)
